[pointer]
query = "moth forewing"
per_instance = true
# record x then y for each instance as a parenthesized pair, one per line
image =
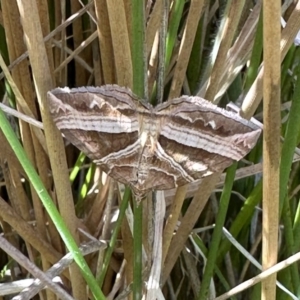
(148, 148)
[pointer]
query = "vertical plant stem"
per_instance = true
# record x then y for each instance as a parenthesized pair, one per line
(234, 10)
(217, 234)
(121, 42)
(139, 88)
(174, 22)
(137, 248)
(255, 56)
(162, 51)
(271, 141)
(290, 140)
(186, 46)
(138, 48)
(113, 239)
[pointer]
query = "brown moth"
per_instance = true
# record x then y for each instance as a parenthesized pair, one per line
(151, 148)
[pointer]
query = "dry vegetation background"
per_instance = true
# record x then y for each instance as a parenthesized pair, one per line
(199, 241)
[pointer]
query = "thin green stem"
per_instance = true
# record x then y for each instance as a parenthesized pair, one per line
(49, 205)
(217, 234)
(137, 250)
(114, 236)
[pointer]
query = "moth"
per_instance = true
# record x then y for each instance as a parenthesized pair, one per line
(146, 147)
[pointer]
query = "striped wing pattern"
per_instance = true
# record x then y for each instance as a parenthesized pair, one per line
(151, 148)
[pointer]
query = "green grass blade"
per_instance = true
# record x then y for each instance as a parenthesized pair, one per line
(49, 205)
(137, 249)
(113, 239)
(217, 234)
(290, 141)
